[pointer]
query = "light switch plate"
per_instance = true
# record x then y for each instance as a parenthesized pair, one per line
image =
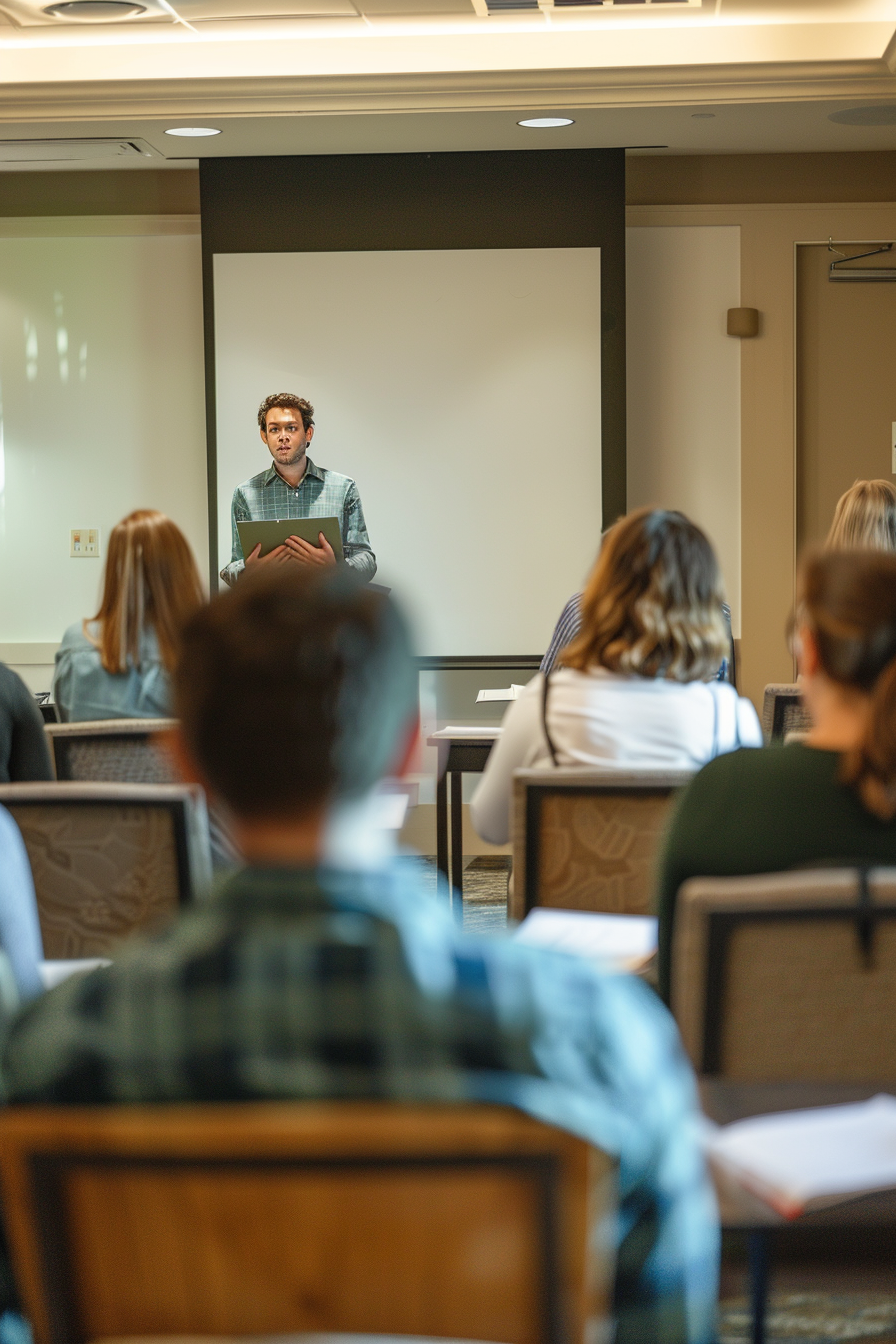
(86, 541)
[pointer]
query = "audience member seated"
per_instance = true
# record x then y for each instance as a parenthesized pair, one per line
(865, 518)
(830, 798)
(309, 980)
(636, 688)
(19, 925)
(24, 754)
(117, 664)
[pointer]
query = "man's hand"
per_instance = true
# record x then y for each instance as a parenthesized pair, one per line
(306, 554)
(274, 557)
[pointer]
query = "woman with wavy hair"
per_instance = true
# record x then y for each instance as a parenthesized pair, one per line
(830, 797)
(637, 686)
(116, 664)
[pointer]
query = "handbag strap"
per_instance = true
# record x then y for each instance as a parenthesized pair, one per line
(544, 716)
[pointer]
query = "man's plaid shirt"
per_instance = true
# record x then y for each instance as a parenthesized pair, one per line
(304, 984)
(319, 494)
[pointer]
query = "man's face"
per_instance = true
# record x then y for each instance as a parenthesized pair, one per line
(286, 436)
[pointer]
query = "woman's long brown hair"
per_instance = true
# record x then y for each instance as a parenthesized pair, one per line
(652, 606)
(848, 601)
(151, 580)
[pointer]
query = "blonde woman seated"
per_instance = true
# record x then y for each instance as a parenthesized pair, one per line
(637, 687)
(116, 665)
(865, 518)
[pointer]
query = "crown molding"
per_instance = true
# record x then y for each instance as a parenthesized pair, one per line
(110, 100)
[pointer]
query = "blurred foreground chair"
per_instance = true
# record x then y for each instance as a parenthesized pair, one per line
(783, 712)
(587, 839)
(109, 859)
(788, 977)
(452, 1221)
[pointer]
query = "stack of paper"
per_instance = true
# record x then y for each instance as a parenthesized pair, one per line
(622, 942)
(812, 1159)
(507, 693)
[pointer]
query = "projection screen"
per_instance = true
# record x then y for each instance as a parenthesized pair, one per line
(461, 390)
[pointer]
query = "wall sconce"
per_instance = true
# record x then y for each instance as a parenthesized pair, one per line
(743, 321)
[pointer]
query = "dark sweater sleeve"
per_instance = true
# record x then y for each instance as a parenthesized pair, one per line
(29, 755)
(688, 851)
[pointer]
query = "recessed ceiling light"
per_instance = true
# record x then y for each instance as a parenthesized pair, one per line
(193, 130)
(95, 11)
(543, 123)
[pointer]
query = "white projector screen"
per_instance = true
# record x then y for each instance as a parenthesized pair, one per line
(461, 390)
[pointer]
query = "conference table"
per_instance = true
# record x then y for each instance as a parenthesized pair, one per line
(724, 1102)
(461, 751)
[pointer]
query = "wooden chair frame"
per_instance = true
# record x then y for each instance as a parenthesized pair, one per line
(49, 1158)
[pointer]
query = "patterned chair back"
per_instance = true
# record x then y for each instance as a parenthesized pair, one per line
(113, 751)
(788, 977)
(588, 839)
(783, 712)
(109, 859)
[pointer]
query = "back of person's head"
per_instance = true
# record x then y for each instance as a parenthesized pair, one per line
(652, 605)
(865, 518)
(294, 689)
(151, 579)
(848, 602)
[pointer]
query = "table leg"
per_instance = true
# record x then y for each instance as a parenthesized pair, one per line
(757, 1247)
(457, 838)
(444, 888)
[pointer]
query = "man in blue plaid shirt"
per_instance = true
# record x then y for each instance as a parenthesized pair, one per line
(324, 970)
(295, 487)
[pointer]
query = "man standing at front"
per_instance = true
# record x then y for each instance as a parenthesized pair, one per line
(295, 487)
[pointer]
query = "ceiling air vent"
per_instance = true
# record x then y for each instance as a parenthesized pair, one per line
(71, 151)
(95, 11)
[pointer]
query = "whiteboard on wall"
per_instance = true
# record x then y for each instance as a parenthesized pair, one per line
(461, 390)
(101, 410)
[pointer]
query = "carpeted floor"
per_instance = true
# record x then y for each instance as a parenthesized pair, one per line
(815, 1318)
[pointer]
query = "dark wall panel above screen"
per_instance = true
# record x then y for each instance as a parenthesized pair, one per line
(393, 202)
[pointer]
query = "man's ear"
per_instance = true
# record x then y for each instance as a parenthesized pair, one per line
(262, 429)
(309, 433)
(407, 749)
(187, 770)
(808, 661)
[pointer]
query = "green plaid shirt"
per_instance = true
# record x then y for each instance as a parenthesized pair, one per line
(319, 494)
(326, 984)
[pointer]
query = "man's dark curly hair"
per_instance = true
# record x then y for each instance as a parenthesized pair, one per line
(289, 401)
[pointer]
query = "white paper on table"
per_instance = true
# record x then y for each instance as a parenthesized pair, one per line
(624, 942)
(512, 692)
(820, 1156)
(474, 730)
(53, 973)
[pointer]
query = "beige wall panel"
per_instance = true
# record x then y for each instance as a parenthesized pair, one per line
(846, 386)
(683, 382)
(769, 235)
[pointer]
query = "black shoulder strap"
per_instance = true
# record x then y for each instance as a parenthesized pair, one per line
(544, 716)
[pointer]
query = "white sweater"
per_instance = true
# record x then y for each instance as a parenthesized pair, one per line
(604, 719)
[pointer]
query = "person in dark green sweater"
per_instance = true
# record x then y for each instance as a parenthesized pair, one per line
(829, 799)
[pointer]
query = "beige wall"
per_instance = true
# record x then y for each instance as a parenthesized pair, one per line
(769, 235)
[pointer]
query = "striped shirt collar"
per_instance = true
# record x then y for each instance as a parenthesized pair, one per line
(272, 474)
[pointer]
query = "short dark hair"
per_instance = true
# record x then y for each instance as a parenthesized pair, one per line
(290, 402)
(295, 688)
